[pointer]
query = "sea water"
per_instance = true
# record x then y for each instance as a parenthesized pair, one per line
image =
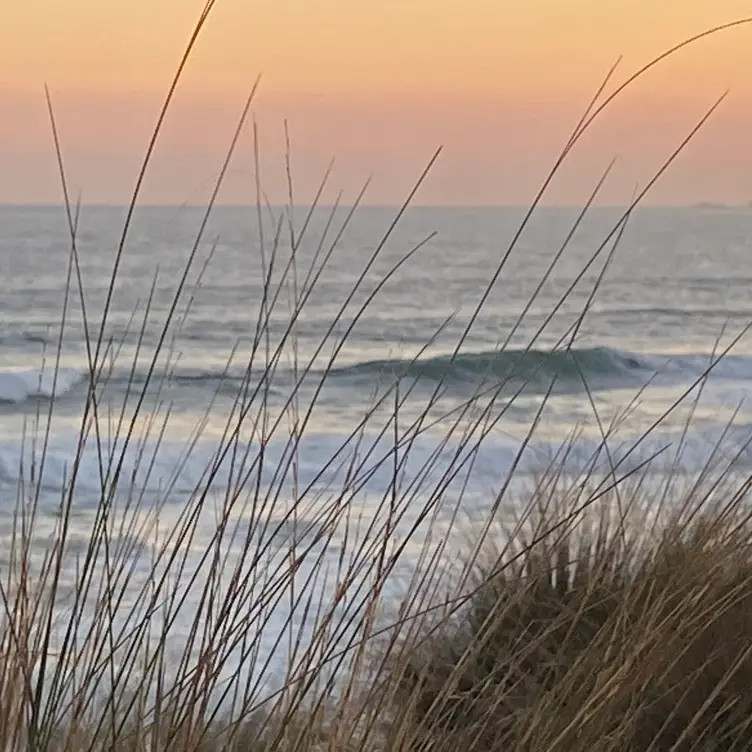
(360, 325)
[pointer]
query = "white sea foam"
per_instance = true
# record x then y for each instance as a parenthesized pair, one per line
(17, 385)
(330, 462)
(143, 540)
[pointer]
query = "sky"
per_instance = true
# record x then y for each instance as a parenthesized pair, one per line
(376, 85)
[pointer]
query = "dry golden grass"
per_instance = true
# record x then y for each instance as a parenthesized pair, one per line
(596, 637)
(583, 632)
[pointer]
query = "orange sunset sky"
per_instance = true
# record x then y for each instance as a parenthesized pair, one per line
(377, 84)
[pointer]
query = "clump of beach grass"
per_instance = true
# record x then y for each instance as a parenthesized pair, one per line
(591, 622)
(584, 629)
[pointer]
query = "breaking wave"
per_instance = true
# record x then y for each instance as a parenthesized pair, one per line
(17, 386)
(598, 367)
(519, 365)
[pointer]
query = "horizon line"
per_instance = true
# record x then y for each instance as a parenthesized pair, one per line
(377, 205)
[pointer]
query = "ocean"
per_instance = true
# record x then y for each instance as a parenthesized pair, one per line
(616, 344)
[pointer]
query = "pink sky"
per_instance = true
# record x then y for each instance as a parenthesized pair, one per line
(378, 85)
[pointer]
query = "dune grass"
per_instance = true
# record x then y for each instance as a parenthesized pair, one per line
(598, 616)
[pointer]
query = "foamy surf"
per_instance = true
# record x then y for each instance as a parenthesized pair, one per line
(362, 466)
(17, 385)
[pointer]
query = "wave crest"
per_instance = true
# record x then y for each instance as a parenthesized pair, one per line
(17, 386)
(526, 365)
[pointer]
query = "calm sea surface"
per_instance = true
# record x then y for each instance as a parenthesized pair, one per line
(676, 289)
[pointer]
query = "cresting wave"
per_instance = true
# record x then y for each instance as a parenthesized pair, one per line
(599, 367)
(518, 365)
(602, 367)
(17, 386)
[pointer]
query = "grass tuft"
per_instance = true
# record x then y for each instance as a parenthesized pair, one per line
(597, 635)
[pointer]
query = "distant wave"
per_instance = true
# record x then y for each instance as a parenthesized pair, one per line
(208, 381)
(599, 367)
(19, 339)
(17, 386)
(184, 376)
(536, 366)
(680, 313)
